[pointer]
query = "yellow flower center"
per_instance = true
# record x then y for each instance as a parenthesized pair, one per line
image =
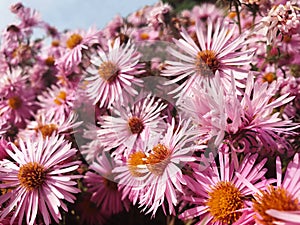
(224, 200)
(206, 63)
(272, 198)
(32, 175)
(135, 159)
(15, 102)
(46, 130)
(108, 71)
(136, 125)
(73, 41)
(158, 159)
(60, 98)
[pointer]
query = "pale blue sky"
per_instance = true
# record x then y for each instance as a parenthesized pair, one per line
(74, 14)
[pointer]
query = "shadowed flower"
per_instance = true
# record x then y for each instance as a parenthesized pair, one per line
(103, 186)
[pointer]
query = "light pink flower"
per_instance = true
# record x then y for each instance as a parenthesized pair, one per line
(75, 43)
(113, 74)
(57, 101)
(216, 50)
(281, 18)
(47, 125)
(38, 178)
(153, 175)
(130, 123)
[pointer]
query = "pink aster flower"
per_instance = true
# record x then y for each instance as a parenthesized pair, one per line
(102, 184)
(219, 197)
(206, 107)
(17, 103)
(38, 178)
(57, 100)
(278, 203)
(131, 123)
(159, 14)
(113, 74)
(49, 124)
(216, 50)
(156, 169)
(281, 18)
(252, 122)
(75, 43)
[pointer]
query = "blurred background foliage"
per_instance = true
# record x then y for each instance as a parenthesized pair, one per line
(179, 5)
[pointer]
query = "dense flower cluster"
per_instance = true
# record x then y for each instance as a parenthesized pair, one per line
(192, 115)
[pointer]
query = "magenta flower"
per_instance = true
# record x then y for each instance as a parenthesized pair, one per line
(216, 50)
(102, 184)
(113, 74)
(38, 178)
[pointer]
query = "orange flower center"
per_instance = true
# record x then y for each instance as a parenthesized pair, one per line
(60, 98)
(55, 43)
(32, 175)
(272, 198)
(73, 41)
(15, 102)
(144, 36)
(108, 71)
(135, 159)
(224, 200)
(136, 125)
(206, 63)
(50, 61)
(46, 130)
(158, 159)
(269, 77)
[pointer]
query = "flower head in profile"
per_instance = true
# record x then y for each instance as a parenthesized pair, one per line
(102, 184)
(130, 123)
(218, 196)
(216, 50)
(113, 74)
(38, 178)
